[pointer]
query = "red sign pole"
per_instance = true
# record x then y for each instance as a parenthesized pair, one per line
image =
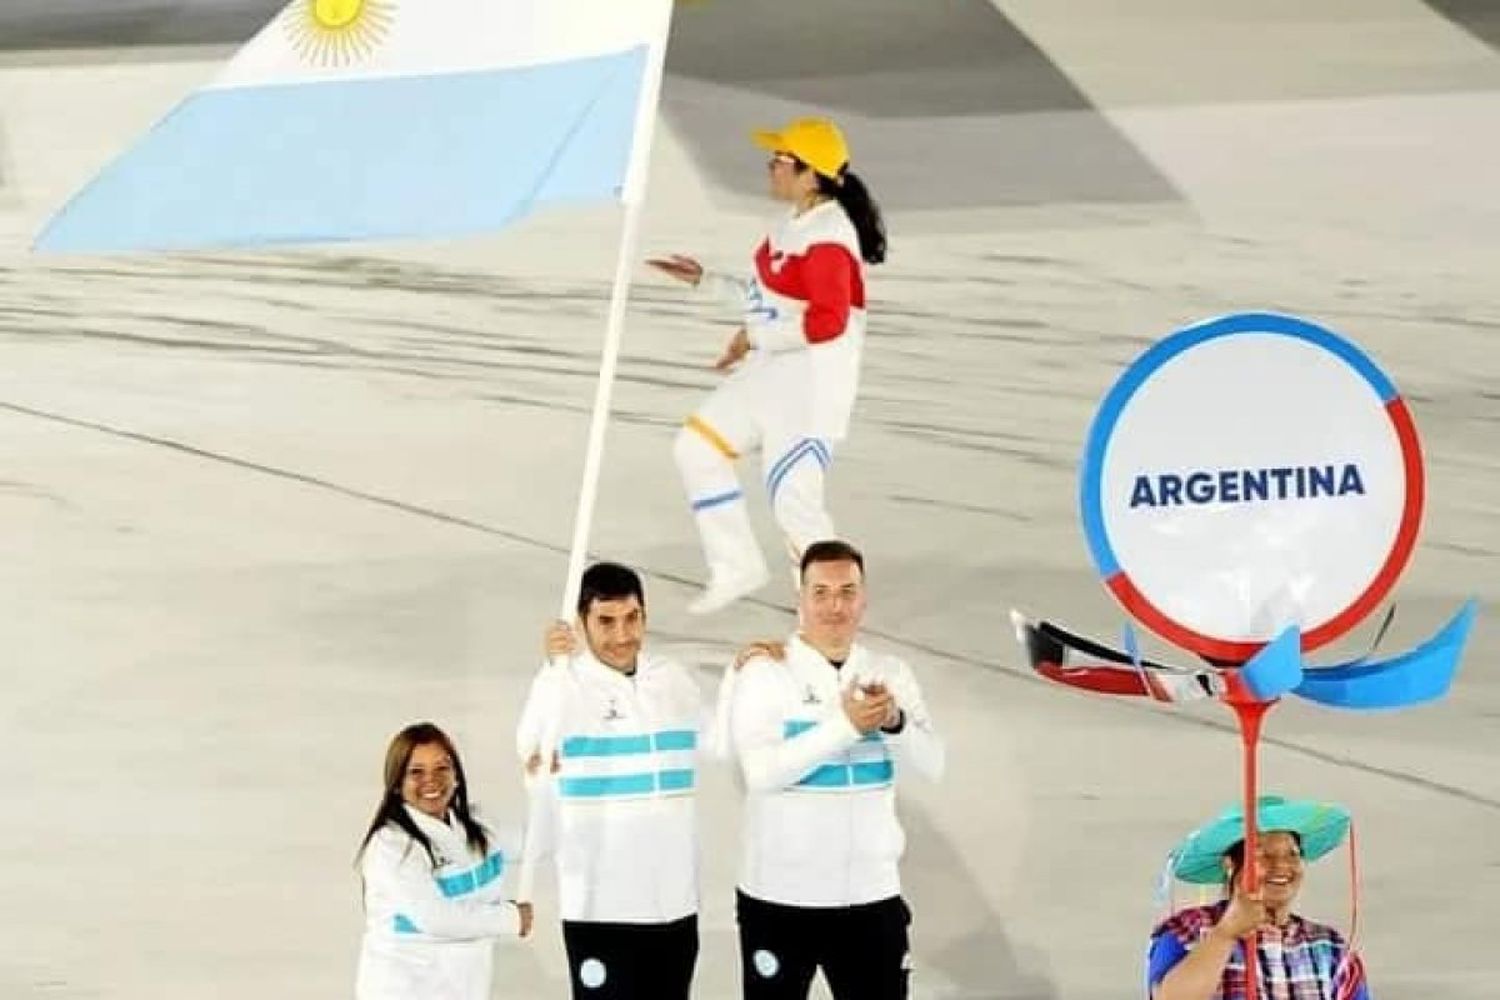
(1250, 712)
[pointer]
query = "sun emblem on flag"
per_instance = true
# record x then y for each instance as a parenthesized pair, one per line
(338, 32)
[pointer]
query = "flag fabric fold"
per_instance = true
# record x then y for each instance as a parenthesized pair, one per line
(386, 119)
(1071, 659)
(1418, 676)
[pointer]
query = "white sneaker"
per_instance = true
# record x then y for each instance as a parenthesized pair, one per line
(724, 590)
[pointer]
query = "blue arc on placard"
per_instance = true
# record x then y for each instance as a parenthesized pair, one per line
(1148, 364)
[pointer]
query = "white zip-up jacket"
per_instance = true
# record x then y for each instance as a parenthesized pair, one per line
(430, 932)
(820, 799)
(804, 311)
(620, 816)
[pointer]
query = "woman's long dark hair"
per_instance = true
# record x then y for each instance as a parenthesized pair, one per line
(857, 203)
(392, 810)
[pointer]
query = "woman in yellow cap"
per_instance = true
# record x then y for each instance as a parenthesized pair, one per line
(793, 367)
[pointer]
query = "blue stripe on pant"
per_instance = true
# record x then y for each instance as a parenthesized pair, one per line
(807, 447)
(718, 500)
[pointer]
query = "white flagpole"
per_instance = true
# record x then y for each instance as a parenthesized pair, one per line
(541, 793)
(599, 422)
(634, 196)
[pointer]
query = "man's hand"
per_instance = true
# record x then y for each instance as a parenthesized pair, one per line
(734, 352)
(534, 764)
(868, 712)
(761, 647)
(560, 640)
(682, 268)
(528, 914)
(894, 716)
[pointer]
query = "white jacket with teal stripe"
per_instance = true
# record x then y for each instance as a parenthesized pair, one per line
(820, 809)
(430, 932)
(621, 820)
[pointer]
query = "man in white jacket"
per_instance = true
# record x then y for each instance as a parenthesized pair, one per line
(610, 738)
(822, 728)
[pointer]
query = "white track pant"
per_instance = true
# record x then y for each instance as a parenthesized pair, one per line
(765, 404)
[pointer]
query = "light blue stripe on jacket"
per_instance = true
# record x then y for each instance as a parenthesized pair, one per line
(643, 783)
(472, 880)
(866, 764)
(617, 746)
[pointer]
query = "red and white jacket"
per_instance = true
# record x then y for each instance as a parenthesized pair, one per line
(808, 296)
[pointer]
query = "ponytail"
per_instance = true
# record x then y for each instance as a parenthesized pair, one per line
(854, 198)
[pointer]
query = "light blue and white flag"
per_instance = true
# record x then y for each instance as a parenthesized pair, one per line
(382, 119)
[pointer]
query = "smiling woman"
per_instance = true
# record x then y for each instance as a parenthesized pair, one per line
(1199, 953)
(434, 890)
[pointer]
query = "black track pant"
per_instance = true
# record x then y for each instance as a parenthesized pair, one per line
(862, 950)
(631, 961)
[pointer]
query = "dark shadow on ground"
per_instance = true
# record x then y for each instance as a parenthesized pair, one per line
(1481, 18)
(947, 103)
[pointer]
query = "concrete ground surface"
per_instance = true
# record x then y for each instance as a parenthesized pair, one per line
(261, 510)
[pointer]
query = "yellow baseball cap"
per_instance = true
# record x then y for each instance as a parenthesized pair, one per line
(817, 142)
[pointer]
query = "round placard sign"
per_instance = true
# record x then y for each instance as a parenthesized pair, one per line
(1251, 473)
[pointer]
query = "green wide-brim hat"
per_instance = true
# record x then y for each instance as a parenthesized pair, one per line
(1321, 826)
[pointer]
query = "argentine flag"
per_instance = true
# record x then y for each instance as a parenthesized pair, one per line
(383, 119)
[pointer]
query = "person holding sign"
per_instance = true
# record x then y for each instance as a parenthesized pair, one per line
(1251, 536)
(1199, 953)
(820, 726)
(611, 733)
(792, 368)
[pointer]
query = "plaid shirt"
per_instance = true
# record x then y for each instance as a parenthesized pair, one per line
(1302, 960)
